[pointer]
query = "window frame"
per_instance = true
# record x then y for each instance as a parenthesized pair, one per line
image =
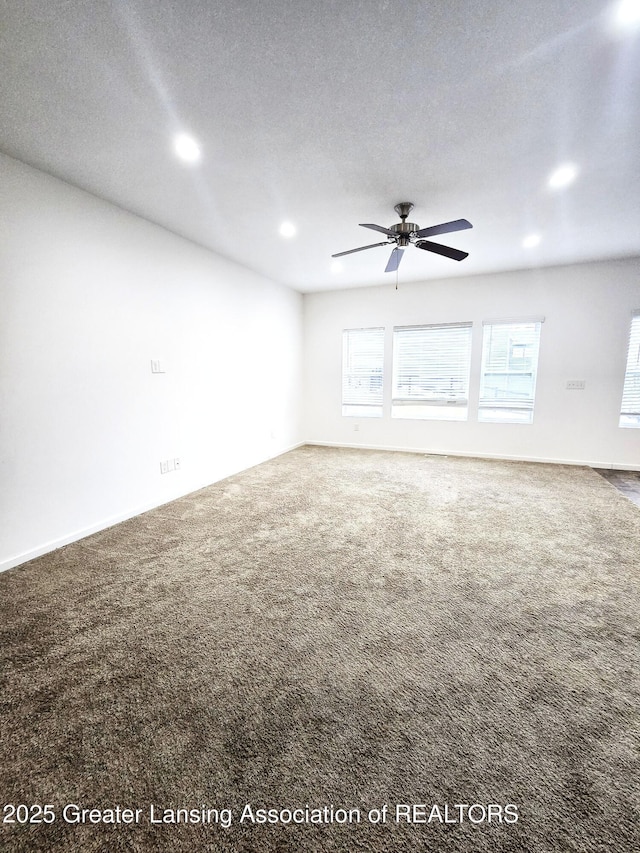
(507, 407)
(357, 400)
(433, 365)
(631, 385)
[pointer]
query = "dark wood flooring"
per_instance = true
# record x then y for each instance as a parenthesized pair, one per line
(627, 482)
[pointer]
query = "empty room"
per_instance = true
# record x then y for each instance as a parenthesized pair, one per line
(320, 426)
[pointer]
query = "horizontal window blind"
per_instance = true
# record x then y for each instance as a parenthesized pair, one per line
(362, 368)
(508, 372)
(630, 408)
(431, 366)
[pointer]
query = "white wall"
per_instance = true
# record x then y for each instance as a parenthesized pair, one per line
(89, 294)
(588, 314)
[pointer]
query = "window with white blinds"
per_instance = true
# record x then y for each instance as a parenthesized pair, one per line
(362, 368)
(630, 409)
(431, 366)
(508, 372)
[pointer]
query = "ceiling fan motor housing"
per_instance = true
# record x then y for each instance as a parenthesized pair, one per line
(404, 229)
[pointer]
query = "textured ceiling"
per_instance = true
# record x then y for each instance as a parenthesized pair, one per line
(327, 114)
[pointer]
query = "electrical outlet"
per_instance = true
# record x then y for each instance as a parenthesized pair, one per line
(164, 467)
(575, 385)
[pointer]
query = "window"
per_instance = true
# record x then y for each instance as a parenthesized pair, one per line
(508, 373)
(630, 409)
(431, 366)
(362, 365)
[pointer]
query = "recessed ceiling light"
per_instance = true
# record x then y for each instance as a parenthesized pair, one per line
(287, 229)
(337, 266)
(563, 176)
(531, 241)
(628, 13)
(186, 148)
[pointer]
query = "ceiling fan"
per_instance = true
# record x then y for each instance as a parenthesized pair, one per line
(404, 233)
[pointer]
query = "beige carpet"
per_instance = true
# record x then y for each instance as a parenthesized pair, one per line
(339, 629)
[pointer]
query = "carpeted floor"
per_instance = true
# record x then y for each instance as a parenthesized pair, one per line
(341, 629)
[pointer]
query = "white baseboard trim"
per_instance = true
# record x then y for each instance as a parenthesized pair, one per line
(470, 455)
(103, 524)
(68, 538)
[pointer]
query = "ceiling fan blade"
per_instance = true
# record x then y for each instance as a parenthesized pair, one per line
(439, 249)
(378, 228)
(394, 260)
(361, 249)
(444, 228)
